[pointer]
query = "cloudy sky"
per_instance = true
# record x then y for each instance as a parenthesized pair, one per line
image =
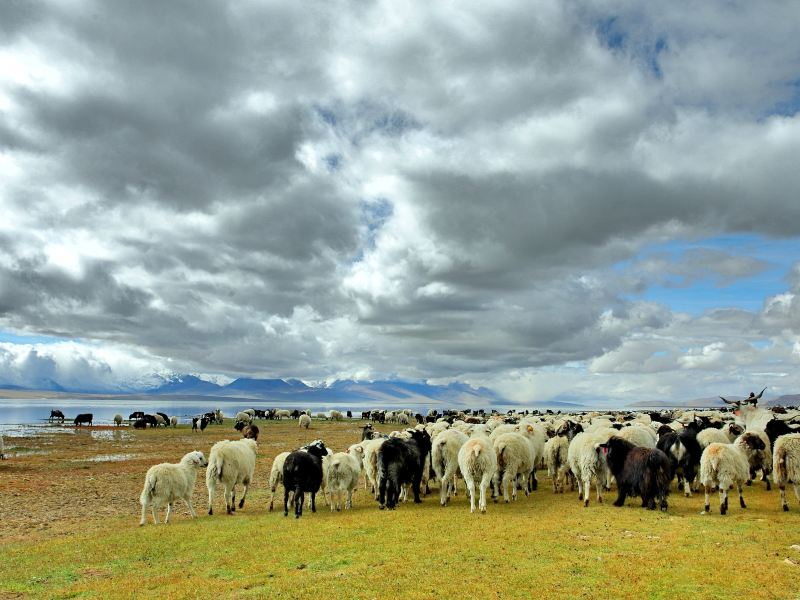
(554, 199)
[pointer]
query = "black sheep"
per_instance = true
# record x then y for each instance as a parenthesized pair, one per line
(644, 472)
(200, 423)
(401, 462)
(302, 472)
(683, 451)
(84, 418)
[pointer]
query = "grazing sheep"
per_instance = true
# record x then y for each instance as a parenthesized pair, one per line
(83, 418)
(251, 412)
(786, 465)
(117, 420)
(167, 482)
(244, 416)
(759, 456)
(401, 462)
(250, 432)
(173, 420)
(588, 462)
(305, 421)
(444, 455)
(230, 463)
(639, 471)
(302, 472)
(140, 424)
(282, 414)
(336, 415)
(160, 420)
(555, 455)
(723, 466)
(322, 416)
(344, 469)
(477, 462)
(513, 460)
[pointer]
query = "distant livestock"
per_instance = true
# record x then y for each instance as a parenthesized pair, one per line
(199, 423)
(305, 421)
(163, 420)
(173, 421)
(56, 415)
(639, 471)
(84, 418)
(117, 420)
(136, 415)
(167, 482)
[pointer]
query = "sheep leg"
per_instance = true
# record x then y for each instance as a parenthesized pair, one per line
(741, 498)
(707, 506)
(188, 501)
(285, 501)
(232, 507)
(534, 482)
(349, 504)
(382, 492)
(169, 512)
(154, 507)
(298, 503)
(620, 501)
(765, 477)
(244, 493)
(471, 488)
(723, 499)
(483, 486)
(144, 514)
(599, 489)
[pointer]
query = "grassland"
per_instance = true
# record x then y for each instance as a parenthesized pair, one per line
(69, 528)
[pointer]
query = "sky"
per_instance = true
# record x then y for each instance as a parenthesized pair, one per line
(552, 199)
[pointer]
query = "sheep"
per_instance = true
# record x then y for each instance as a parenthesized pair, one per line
(723, 466)
(244, 416)
(444, 456)
(639, 471)
(587, 462)
(322, 416)
(302, 472)
(251, 412)
(173, 421)
(401, 462)
(684, 454)
(167, 482)
(513, 455)
(786, 465)
(305, 421)
(230, 463)
(639, 435)
(555, 454)
(732, 430)
(710, 436)
(344, 469)
(282, 414)
(336, 415)
(250, 431)
(218, 416)
(198, 423)
(83, 418)
(759, 456)
(117, 420)
(276, 475)
(160, 420)
(536, 437)
(477, 462)
(371, 464)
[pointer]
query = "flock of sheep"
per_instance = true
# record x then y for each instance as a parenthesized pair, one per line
(641, 452)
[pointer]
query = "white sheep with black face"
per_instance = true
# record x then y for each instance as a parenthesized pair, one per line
(167, 482)
(231, 463)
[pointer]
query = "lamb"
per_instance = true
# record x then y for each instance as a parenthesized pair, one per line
(117, 420)
(786, 465)
(759, 456)
(167, 482)
(401, 462)
(230, 463)
(305, 421)
(513, 459)
(723, 466)
(344, 469)
(302, 472)
(588, 462)
(477, 462)
(639, 471)
(444, 455)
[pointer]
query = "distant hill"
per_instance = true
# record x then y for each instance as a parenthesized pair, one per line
(715, 401)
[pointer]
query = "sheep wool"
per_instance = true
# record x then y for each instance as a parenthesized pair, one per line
(167, 482)
(230, 463)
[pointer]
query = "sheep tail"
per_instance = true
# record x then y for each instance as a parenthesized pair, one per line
(214, 471)
(780, 461)
(476, 450)
(148, 491)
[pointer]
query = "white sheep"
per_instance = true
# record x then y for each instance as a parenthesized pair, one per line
(477, 462)
(117, 420)
(167, 482)
(336, 415)
(344, 469)
(160, 420)
(218, 416)
(251, 412)
(282, 413)
(513, 454)
(371, 448)
(244, 417)
(305, 421)
(723, 466)
(173, 420)
(276, 475)
(536, 437)
(322, 416)
(555, 455)
(712, 436)
(588, 462)
(639, 435)
(758, 459)
(786, 465)
(444, 455)
(231, 463)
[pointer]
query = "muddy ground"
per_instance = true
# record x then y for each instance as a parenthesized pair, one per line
(63, 479)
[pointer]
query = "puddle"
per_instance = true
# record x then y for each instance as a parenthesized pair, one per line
(111, 434)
